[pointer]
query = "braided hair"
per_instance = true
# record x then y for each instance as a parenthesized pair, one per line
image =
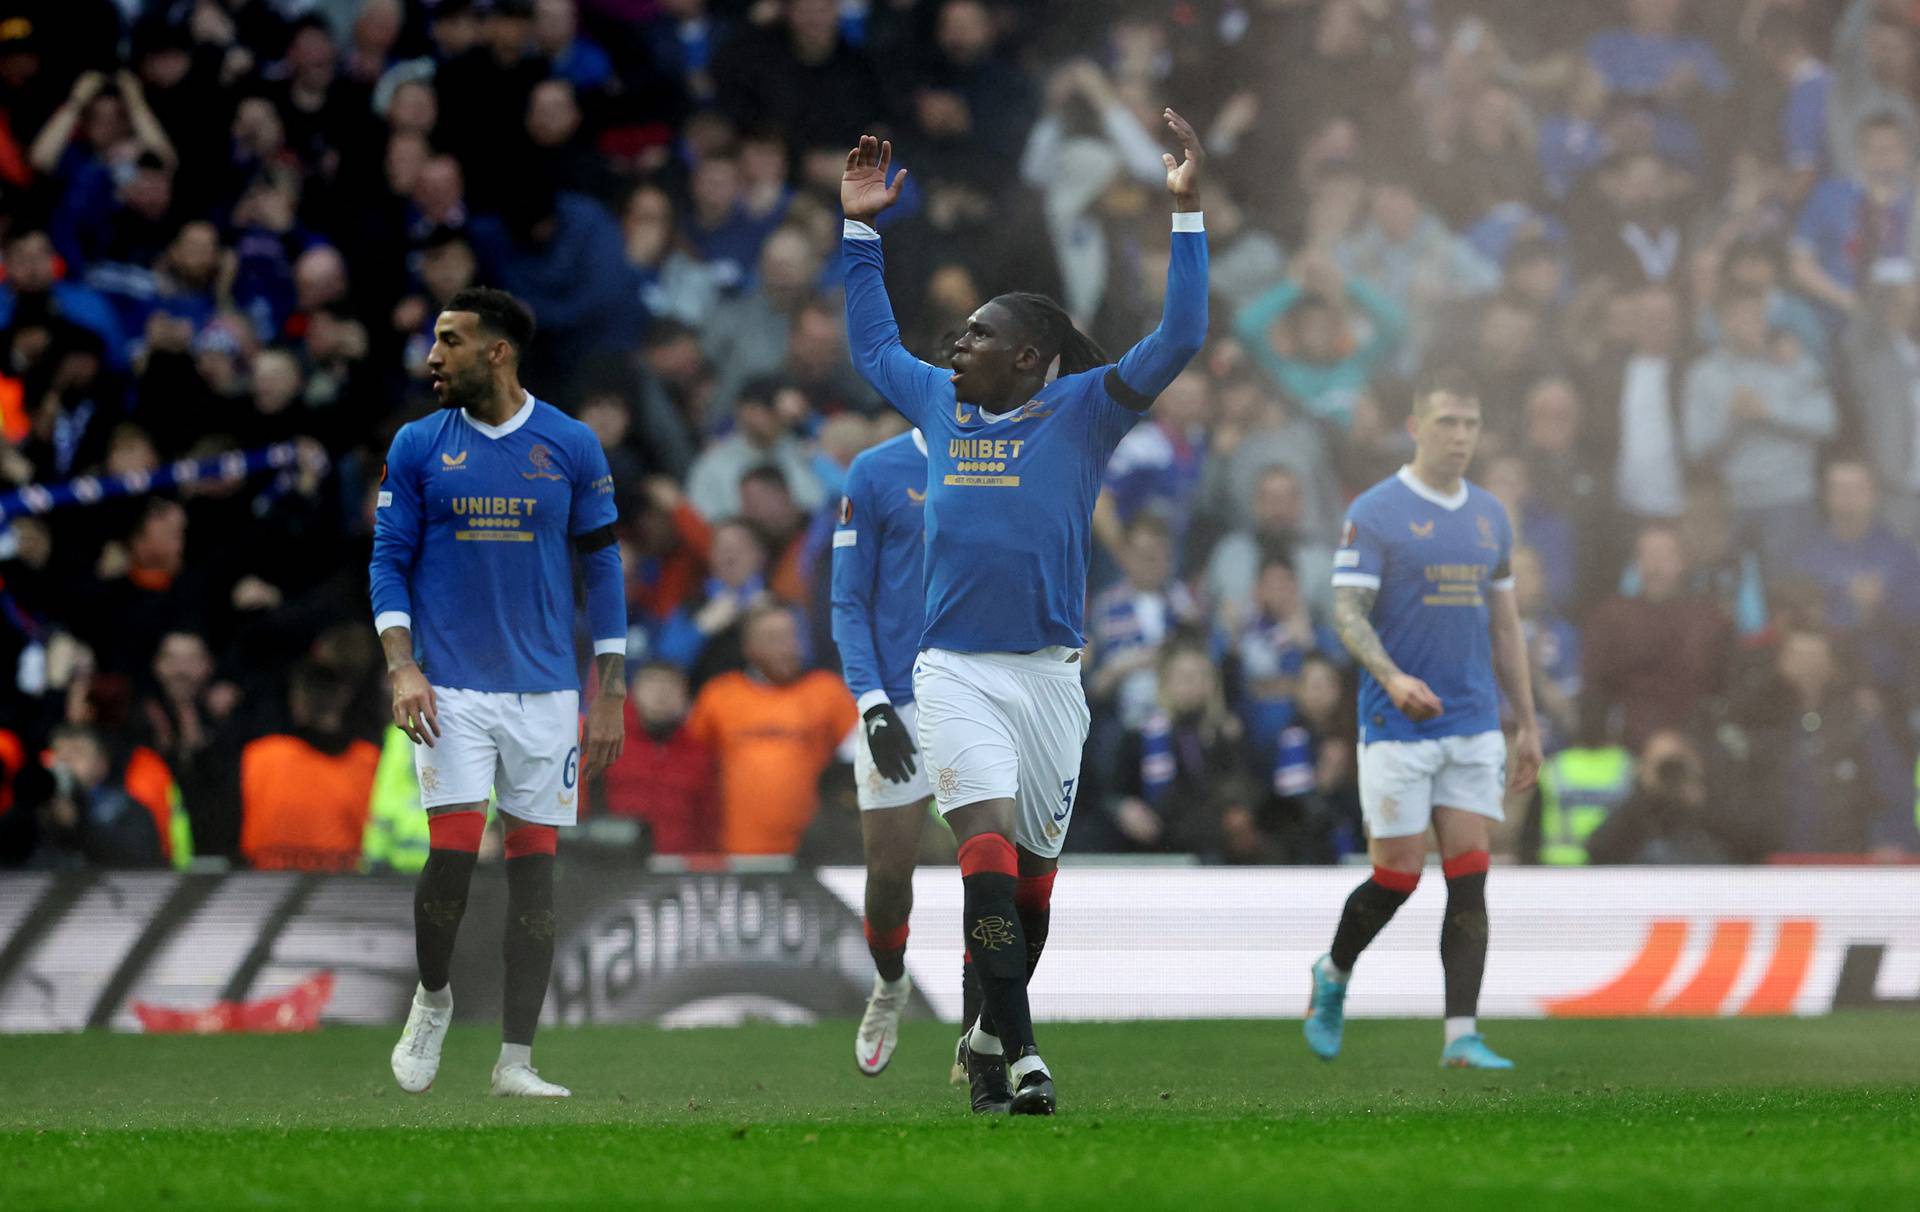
(1051, 330)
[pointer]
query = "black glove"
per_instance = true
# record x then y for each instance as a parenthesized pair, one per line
(889, 743)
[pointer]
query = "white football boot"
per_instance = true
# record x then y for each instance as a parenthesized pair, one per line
(416, 1058)
(879, 1032)
(518, 1080)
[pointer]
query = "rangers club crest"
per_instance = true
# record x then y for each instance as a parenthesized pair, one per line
(543, 467)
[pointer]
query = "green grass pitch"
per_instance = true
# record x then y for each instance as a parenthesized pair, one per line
(1740, 1114)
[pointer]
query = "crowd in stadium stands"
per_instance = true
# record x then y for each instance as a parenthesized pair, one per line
(1674, 241)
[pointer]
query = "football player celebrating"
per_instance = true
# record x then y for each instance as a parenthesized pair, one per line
(1014, 464)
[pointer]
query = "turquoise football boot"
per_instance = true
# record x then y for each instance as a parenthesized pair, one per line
(1471, 1052)
(1326, 1012)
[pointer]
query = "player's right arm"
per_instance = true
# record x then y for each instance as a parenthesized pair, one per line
(856, 575)
(398, 526)
(1357, 569)
(873, 336)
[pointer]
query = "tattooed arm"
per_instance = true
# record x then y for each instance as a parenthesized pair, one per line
(1352, 608)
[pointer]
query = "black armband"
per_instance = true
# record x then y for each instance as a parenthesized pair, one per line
(1126, 397)
(594, 540)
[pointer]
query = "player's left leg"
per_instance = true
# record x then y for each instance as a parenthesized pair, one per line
(1396, 785)
(537, 783)
(891, 837)
(1468, 795)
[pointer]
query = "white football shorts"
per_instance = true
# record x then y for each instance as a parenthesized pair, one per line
(1401, 781)
(524, 747)
(1005, 725)
(875, 790)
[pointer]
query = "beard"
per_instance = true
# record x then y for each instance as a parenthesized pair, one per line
(464, 391)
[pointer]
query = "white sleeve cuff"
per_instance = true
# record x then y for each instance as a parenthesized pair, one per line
(854, 229)
(867, 701)
(388, 619)
(1189, 220)
(610, 647)
(1355, 580)
(1503, 585)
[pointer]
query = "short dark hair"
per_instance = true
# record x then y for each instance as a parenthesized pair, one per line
(760, 391)
(769, 475)
(1876, 120)
(500, 314)
(1445, 380)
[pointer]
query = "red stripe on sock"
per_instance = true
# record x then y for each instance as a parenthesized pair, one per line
(532, 839)
(1398, 881)
(888, 940)
(456, 830)
(1034, 891)
(1473, 862)
(988, 852)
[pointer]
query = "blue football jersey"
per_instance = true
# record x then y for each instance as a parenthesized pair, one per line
(1434, 560)
(473, 544)
(879, 579)
(1010, 497)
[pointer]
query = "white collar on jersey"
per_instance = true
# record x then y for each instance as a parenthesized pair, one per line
(506, 427)
(1420, 489)
(920, 440)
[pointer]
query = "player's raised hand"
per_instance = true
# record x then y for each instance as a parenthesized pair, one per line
(1415, 699)
(414, 710)
(1183, 176)
(864, 191)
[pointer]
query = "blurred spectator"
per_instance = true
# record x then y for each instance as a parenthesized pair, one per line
(1874, 72)
(1128, 623)
(1628, 230)
(144, 590)
(189, 721)
(1581, 785)
(1850, 222)
(1869, 575)
(90, 820)
(1269, 645)
(1311, 813)
(802, 71)
(1254, 430)
(970, 104)
(1410, 255)
(1636, 408)
(765, 420)
(1303, 333)
(1553, 652)
(664, 777)
(1544, 531)
(1790, 50)
(1825, 776)
(747, 335)
(767, 505)
(1086, 147)
(1883, 362)
(1754, 265)
(304, 793)
(1653, 659)
(1652, 58)
(773, 730)
(34, 287)
(1666, 819)
(1756, 413)
(574, 58)
(1278, 533)
(1155, 470)
(703, 635)
(1183, 768)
